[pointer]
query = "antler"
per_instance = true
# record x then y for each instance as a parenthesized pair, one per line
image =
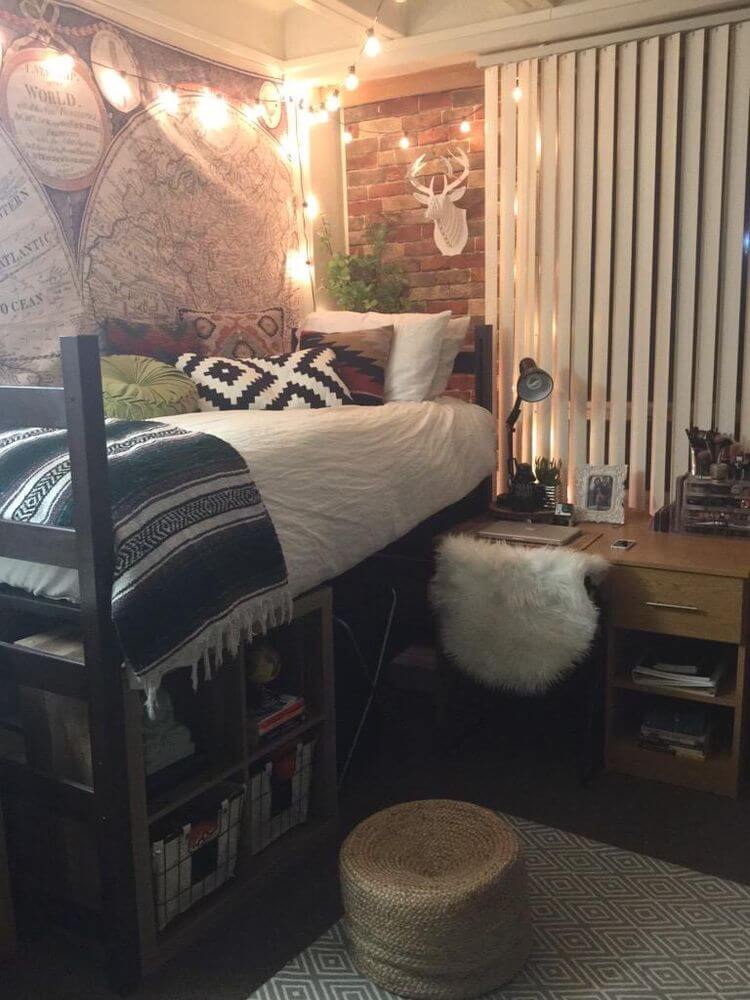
(412, 173)
(460, 157)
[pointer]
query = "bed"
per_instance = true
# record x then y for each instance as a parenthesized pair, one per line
(339, 484)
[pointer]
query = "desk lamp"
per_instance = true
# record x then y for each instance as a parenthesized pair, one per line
(534, 384)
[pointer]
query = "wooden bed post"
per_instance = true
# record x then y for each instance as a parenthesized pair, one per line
(107, 720)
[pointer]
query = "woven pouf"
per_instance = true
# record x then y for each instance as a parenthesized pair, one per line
(434, 899)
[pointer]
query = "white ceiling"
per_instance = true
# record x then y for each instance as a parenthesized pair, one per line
(317, 39)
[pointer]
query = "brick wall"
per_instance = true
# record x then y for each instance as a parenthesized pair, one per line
(377, 190)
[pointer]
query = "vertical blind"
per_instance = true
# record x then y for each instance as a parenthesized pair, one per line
(622, 193)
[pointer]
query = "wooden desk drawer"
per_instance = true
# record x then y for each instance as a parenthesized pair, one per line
(690, 604)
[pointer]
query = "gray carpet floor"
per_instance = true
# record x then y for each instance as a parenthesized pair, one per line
(535, 778)
(608, 925)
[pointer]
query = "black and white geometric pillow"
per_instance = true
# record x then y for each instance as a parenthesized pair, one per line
(302, 380)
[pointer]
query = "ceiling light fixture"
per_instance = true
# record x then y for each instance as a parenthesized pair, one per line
(372, 43)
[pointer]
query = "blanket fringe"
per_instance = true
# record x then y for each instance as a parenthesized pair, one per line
(207, 651)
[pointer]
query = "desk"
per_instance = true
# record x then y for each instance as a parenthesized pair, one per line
(685, 586)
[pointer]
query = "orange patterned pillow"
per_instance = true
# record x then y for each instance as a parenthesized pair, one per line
(361, 359)
(218, 333)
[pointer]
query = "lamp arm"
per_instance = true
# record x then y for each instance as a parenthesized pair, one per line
(510, 424)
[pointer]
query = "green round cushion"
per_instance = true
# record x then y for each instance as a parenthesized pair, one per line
(136, 388)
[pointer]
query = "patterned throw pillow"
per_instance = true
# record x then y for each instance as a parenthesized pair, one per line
(217, 333)
(149, 340)
(304, 379)
(361, 358)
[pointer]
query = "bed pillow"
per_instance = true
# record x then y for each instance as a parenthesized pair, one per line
(454, 339)
(151, 340)
(256, 334)
(361, 359)
(415, 352)
(302, 380)
(136, 388)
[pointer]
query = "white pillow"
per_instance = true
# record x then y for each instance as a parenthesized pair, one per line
(415, 351)
(453, 341)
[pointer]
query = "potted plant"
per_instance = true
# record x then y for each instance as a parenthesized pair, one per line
(549, 473)
(364, 281)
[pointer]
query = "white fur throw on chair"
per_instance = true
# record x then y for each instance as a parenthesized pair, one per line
(514, 618)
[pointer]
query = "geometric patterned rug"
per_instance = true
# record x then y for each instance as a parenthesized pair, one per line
(608, 925)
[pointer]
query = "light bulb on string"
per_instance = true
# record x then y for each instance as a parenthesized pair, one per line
(517, 93)
(298, 266)
(59, 66)
(169, 100)
(351, 80)
(465, 126)
(311, 207)
(322, 115)
(115, 87)
(404, 142)
(372, 43)
(212, 110)
(333, 101)
(347, 137)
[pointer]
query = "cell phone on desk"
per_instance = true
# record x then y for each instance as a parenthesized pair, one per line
(622, 544)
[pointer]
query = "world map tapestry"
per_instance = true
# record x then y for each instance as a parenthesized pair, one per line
(136, 180)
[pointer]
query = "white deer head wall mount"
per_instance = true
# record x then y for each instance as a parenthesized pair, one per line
(451, 229)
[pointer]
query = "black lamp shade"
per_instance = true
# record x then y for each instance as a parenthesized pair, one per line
(534, 384)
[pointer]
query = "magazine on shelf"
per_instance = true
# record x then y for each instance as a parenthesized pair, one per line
(660, 676)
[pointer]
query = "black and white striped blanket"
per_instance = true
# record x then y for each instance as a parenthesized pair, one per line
(198, 565)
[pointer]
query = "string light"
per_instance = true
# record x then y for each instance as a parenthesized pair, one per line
(169, 100)
(517, 93)
(115, 86)
(298, 266)
(333, 101)
(372, 45)
(311, 207)
(322, 116)
(212, 110)
(351, 80)
(465, 126)
(59, 66)
(347, 136)
(286, 146)
(404, 142)
(252, 113)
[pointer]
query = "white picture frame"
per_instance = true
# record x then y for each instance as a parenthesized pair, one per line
(600, 493)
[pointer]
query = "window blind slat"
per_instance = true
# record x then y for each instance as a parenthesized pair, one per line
(531, 312)
(548, 234)
(710, 242)
(521, 205)
(687, 248)
(507, 300)
(643, 279)
(623, 251)
(605, 149)
(732, 256)
(665, 267)
(564, 297)
(584, 199)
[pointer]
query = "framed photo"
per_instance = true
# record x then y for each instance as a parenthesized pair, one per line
(600, 493)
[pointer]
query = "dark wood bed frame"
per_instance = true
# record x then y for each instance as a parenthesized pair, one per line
(109, 807)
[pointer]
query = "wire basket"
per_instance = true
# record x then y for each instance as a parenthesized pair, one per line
(194, 860)
(279, 794)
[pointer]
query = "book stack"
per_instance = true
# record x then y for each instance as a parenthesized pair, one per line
(682, 731)
(688, 676)
(276, 712)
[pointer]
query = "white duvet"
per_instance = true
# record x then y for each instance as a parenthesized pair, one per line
(339, 483)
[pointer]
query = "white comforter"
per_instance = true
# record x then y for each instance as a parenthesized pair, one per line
(338, 483)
